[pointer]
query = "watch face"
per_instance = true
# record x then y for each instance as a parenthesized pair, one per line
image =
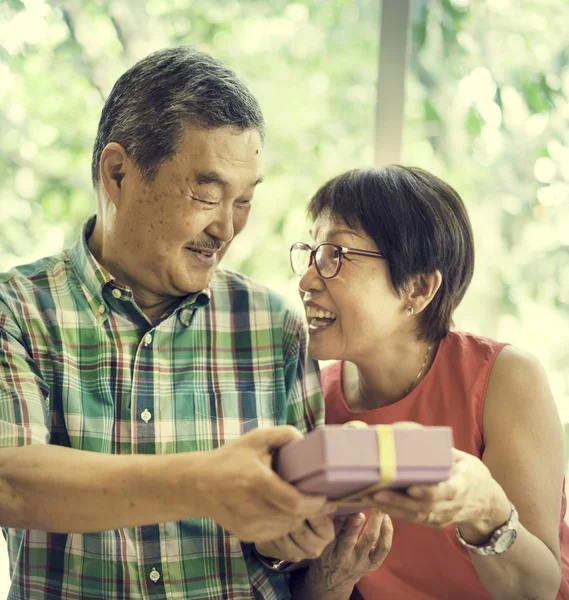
(505, 540)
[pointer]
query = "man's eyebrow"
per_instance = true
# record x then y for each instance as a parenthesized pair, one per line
(210, 177)
(213, 177)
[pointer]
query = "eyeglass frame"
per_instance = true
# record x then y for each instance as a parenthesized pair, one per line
(344, 250)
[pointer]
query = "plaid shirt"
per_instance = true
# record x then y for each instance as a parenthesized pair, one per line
(82, 367)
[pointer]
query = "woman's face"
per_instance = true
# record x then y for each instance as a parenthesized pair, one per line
(350, 314)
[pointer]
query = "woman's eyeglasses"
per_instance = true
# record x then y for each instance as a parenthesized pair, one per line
(326, 256)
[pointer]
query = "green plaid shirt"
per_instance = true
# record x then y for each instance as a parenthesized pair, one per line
(81, 366)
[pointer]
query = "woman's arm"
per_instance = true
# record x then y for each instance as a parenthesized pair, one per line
(522, 464)
(524, 452)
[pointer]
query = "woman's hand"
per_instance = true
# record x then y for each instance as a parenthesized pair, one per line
(354, 552)
(471, 499)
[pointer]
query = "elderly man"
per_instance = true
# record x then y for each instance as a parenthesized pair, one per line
(132, 368)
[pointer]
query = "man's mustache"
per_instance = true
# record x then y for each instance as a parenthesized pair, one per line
(212, 245)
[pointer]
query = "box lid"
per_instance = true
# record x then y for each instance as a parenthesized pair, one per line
(335, 447)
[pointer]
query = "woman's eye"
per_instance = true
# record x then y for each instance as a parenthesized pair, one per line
(244, 203)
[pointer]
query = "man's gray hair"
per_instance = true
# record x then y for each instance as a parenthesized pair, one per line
(151, 103)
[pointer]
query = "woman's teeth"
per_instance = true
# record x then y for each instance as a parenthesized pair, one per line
(318, 318)
(318, 313)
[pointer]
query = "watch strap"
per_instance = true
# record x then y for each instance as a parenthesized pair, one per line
(492, 546)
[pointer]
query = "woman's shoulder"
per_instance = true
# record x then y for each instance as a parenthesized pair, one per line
(465, 341)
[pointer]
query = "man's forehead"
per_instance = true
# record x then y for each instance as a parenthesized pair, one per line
(218, 156)
(229, 142)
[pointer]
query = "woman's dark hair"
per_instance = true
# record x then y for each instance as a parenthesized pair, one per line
(418, 221)
(151, 103)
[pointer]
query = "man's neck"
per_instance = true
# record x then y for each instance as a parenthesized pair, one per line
(154, 306)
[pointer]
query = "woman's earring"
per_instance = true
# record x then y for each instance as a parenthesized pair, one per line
(410, 311)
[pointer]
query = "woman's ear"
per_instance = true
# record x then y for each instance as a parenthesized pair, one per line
(422, 289)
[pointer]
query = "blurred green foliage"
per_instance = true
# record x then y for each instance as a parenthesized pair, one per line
(486, 109)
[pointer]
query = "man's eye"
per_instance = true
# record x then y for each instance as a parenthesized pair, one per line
(244, 203)
(201, 201)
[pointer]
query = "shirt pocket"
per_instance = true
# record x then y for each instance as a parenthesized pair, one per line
(226, 415)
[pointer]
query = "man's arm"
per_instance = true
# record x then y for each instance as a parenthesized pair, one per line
(53, 488)
(65, 490)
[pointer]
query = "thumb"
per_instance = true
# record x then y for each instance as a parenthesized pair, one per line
(407, 425)
(273, 438)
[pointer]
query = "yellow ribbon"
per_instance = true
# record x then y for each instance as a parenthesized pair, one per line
(387, 464)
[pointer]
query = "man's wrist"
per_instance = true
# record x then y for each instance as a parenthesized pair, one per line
(273, 563)
(185, 476)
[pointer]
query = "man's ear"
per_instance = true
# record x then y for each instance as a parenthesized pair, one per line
(422, 289)
(113, 167)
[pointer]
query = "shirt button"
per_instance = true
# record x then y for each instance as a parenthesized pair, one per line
(116, 293)
(146, 415)
(102, 309)
(154, 575)
(148, 338)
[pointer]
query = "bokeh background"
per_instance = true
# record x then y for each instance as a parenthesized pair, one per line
(486, 108)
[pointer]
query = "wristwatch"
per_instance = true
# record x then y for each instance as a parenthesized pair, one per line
(500, 540)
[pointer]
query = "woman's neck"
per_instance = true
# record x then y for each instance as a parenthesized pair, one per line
(386, 377)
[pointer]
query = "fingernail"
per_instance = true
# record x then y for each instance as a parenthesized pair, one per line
(358, 519)
(415, 492)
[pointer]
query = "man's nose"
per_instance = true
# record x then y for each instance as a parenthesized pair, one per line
(222, 226)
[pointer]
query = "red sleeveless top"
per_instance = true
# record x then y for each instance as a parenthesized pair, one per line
(424, 563)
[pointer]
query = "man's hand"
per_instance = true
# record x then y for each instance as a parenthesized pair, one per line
(306, 542)
(244, 495)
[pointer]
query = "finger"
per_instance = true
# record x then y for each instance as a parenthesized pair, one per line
(392, 499)
(310, 544)
(370, 533)
(383, 546)
(322, 527)
(287, 499)
(302, 546)
(272, 438)
(356, 424)
(446, 490)
(400, 506)
(438, 514)
(407, 425)
(347, 539)
(339, 523)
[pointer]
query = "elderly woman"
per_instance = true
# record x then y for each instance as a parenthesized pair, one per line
(392, 256)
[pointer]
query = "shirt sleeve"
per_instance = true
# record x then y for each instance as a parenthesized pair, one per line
(304, 389)
(24, 396)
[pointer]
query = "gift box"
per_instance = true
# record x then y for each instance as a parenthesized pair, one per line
(346, 463)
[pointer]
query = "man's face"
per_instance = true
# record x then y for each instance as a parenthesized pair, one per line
(170, 235)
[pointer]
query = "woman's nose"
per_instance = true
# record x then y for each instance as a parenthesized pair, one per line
(311, 280)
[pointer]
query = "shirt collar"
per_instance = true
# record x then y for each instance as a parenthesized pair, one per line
(94, 277)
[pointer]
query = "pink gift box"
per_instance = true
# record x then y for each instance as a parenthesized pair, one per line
(340, 461)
